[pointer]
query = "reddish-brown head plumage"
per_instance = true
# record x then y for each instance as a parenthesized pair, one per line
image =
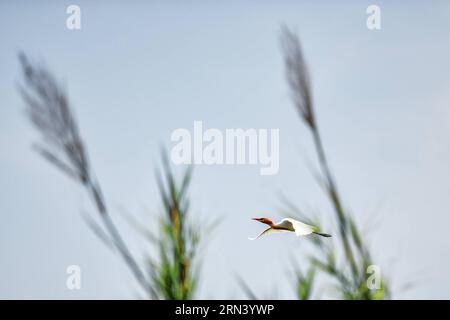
(264, 220)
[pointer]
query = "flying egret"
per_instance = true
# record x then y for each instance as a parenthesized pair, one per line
(288, 224)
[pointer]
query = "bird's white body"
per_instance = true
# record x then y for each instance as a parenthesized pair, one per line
(288, 225)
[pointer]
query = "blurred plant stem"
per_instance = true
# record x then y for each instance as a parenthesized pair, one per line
(171, 276)
(352, 277)
(49, 111)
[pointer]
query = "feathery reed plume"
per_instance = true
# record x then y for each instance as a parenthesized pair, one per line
(298, 77)
(50, 113)
(352, 278)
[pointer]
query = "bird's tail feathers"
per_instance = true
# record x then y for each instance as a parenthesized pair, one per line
(326, 235)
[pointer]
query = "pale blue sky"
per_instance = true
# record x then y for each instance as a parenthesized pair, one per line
(136, 72)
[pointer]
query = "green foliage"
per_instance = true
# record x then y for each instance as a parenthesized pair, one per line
(305, 283)
(173, 275)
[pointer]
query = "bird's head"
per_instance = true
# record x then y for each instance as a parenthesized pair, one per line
(264, 220)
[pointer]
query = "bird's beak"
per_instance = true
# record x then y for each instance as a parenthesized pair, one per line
(257, 219)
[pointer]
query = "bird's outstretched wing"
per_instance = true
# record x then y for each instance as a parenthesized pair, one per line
(300, 228)
(265, 232)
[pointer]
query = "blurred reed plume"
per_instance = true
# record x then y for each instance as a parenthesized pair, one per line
(351, 276)
(171, 276)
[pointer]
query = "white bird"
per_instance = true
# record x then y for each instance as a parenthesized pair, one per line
(289, 225)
